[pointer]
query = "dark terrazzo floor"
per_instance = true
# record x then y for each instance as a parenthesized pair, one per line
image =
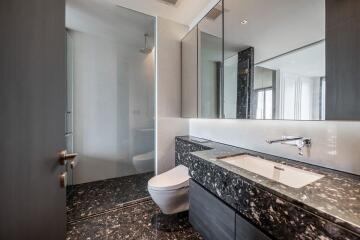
(131, 223)
(84, 200)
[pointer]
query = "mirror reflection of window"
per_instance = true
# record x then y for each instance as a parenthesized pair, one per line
(322, 96)
(264, 103)
(264, 84)
(299, 82)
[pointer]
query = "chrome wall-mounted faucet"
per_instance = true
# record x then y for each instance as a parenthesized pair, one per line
(299, 142)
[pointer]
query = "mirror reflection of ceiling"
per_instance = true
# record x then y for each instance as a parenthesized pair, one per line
(103, 18)
(210, 25)
(273, 27)
(308, 61)
(184, 11)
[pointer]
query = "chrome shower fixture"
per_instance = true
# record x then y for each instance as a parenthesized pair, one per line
(146, 49)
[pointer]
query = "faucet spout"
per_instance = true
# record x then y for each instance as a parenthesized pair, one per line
(299, 142)
(283, 139)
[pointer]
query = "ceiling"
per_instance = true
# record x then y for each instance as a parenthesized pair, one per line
(274, 26)
(185, 11)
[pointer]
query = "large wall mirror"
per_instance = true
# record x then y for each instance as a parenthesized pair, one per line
(278, 59)
(210, 59)
(202, 60)
(274, 59)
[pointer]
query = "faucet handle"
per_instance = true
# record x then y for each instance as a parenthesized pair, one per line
(305, 142)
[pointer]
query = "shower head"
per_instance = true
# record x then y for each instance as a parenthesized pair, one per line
(146, 49)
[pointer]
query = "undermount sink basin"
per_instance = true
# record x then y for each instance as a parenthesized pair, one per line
(290, 176)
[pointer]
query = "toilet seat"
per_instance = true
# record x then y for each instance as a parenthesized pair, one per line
(173, 179)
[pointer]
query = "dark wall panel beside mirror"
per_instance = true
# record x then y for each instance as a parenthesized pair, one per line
(280, 59)
(343, 59)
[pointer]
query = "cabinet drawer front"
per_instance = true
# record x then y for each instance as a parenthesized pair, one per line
(246, 231)
(208, 215)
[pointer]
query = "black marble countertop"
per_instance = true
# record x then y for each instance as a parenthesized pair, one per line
(335, 197)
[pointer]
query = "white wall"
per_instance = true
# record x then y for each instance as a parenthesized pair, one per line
(210, 48)
(334, 144)
(113, 98)
(169, 121)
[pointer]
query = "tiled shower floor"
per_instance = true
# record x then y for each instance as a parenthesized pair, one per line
(84, 200)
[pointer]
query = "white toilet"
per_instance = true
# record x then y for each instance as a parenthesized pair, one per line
(170, 190)
(144, 162)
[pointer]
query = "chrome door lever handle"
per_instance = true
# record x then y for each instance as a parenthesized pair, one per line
(63, 179)
(65, 156)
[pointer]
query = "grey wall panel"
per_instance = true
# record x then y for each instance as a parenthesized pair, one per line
(32, 119)
(342, 60)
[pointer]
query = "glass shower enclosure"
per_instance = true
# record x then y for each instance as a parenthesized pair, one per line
(111, 92)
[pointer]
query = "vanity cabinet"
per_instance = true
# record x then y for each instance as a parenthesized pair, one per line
(209, 216)
(247, 231)
(217, 221)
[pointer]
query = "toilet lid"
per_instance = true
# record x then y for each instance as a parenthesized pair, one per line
(175, 178)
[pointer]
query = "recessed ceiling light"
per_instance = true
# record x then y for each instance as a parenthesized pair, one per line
(244, 22)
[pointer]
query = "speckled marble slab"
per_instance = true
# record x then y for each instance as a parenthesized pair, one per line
(328, 208)
(183, 157)
(131, 223)
(87, 199)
